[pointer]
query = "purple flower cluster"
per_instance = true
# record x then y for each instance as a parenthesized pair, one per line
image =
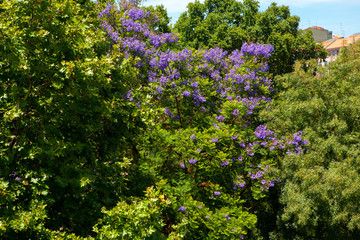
(136, 13)
(135, 37)
(262, 132)
(192, 161)
(258, 174)
(186, 93)
(240, 184)
(257, 49)
(235, 112)
(159, 40)
(234, 137)
(182, 209)
(224, 163)
(182, 165)
(266, 175)
(220, 118)
(107, 11)
(297, 142)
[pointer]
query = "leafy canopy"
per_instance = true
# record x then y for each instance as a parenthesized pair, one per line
(321, 194)
(228, 24)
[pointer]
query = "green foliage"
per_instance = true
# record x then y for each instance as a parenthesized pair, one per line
(65, 128)
(320, 195)
(138, 219)
(163, 23)
(80, 160)
(228, 24)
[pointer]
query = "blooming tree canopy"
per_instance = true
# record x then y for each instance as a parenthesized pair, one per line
(204, 145)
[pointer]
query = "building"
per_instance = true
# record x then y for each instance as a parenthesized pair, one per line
(320, 34)
(333, 46)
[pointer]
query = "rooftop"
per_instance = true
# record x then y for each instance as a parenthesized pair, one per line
(340, 42)
(316, 27)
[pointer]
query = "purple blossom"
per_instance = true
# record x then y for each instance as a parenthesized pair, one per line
(240, 158)
(227, 217)
(194, 84)
(168, 112)
(257, 49)
(186, 93)
(249, 153)
(128, 96)
(158, 40)
(234, 137)
(136, 13)
(259, 174)
(214, 55)
(106, 11)
(271, 183)
(201, 99)
(192, 161)
(235, 112)
(220, 118)
(262, 132)
(263, 182)
(224, 163)
(216, 193)
(182, 165)
(214, 140)
(241, 185)
(193, 137)
(182, 209)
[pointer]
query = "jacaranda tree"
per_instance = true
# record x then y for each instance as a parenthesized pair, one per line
(209, 157)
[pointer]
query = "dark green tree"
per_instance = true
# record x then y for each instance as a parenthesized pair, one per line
(65, 128)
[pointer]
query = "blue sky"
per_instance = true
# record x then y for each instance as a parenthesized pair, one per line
(339, 16)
